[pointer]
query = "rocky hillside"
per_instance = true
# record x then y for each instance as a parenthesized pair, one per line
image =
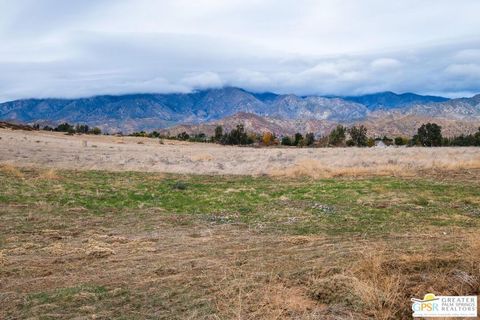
(257, 124)
(383, 112)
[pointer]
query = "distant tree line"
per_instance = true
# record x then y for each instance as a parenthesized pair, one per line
(71, 129)
(428, 135)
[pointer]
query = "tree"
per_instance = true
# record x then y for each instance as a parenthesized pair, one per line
(237, 136)
(81, 128)
(477, 138)
(64, 127)
(96, 131)
(337, 136)
(298, 139)
(400, 141)
(309, 139)
(370, 142)
(183, 136)
(428, 135)
(387, 141)
(358, 135)
(267, 138)
(218, 133)
(287, 141)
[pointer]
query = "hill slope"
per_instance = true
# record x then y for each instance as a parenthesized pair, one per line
(278, 113)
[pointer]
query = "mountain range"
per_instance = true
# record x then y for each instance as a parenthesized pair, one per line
(384, 112)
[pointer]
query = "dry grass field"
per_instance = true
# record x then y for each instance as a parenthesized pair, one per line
(60, 151)
(127, 228)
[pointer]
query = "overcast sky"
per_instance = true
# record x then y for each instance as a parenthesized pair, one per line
(59, 48)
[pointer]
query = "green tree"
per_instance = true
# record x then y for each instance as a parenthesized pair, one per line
(65, 127)
(309, 139)
(218, 133)
(429, 135)
(337, 136)
(358, 135)
(183, 136)
(477, 138)
(287, 141)
(400, 141)
(96, 131)
(298, 139)
(237, 136)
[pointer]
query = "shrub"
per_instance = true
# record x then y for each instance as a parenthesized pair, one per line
(179, 185)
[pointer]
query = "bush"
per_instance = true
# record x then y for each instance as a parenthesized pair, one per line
(179, 185)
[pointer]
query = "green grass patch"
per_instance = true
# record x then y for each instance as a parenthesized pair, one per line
(297, 206)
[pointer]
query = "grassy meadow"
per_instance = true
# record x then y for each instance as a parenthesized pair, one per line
(131, 245)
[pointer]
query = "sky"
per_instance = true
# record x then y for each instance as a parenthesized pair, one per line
(58, 48)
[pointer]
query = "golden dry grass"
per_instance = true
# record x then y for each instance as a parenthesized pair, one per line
(380, 166)
(11, 170)
(58, 151)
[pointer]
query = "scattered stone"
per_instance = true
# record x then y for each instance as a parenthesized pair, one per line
(323, 208)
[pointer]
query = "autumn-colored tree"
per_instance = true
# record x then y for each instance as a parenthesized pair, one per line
(267, 138)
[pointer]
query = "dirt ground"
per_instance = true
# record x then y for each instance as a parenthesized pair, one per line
(86, 152)
(86, 244)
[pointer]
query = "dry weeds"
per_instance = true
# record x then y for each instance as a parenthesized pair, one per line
(381, 166)
(11, 170)
(58, 151)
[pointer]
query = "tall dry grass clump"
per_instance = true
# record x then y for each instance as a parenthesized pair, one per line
(11, 170)
(372, 162)
(49, 174)
(380, 283)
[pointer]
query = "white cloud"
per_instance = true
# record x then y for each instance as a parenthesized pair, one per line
(385, 64)
(203, 80)
(66, 49)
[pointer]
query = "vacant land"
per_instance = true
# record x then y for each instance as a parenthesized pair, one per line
(57, 150)
(327, 234)
(92, 244)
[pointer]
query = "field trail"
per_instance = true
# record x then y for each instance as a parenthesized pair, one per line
(60, 151)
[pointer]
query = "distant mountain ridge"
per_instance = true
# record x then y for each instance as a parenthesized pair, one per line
(136, 112)
(389, 100)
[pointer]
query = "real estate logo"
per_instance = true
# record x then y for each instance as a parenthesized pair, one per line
(445, 306)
